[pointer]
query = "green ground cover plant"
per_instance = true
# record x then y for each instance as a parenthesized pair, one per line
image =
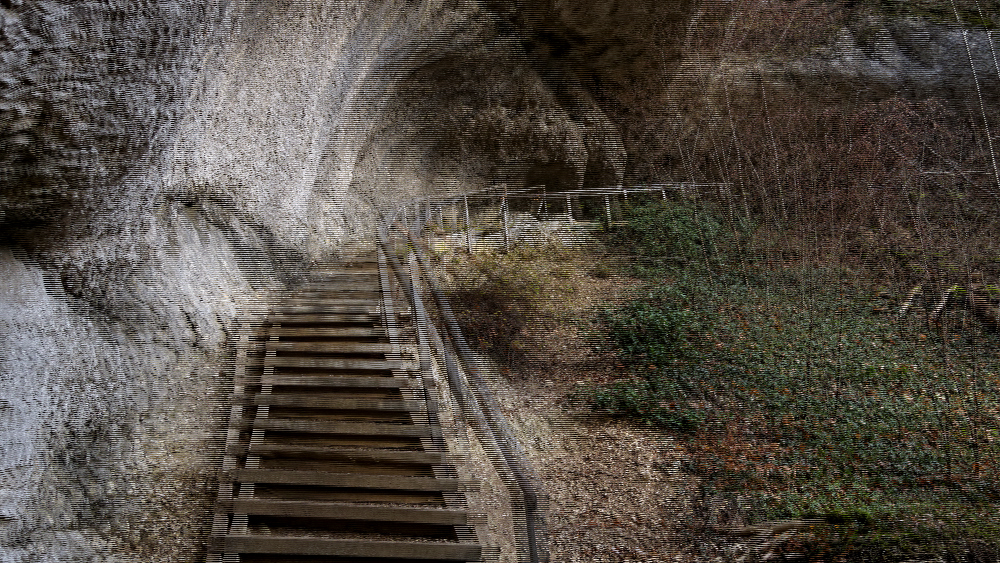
(799, 393)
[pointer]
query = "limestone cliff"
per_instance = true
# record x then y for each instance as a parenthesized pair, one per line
(167, 164)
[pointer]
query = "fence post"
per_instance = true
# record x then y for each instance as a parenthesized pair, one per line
(569, 209)
(468, 227)
(607, 208)
(503, 213)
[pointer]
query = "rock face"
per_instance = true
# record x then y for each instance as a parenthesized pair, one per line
(911, 55)
(166, 165)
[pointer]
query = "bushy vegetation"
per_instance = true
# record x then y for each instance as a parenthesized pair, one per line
(823, 163)
(797, 393)
(766, 339)
(664, 234)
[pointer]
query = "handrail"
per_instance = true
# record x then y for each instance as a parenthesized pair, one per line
(530, 192)
(491, 193)
(508, 443)
(418, 212)
(477, 405)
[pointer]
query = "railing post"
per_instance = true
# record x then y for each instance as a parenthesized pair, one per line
(503, 213)
(607, 207)
(468, 226)
(569, 209)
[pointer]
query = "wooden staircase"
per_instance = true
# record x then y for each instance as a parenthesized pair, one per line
(334, 451)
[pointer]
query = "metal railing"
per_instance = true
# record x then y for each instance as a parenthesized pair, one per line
(477, 404)
(496, 208)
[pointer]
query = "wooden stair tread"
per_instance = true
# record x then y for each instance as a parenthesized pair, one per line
(331, 347)
(322, 308)
(329, 301)
(347, 511)
(348, 480)
(326, 332)
(386, 455)
(338, 402)
(338, 363)
(353, 271)
(323, 318)
(347, 280)
(354, 290)
(340, 381)
(346, 548)
(341, 428)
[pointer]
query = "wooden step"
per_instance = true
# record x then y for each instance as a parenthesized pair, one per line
(340, 381)
(346, 480)
(339, 283)
(335, 452)
(351, 289)
(345, 511)
(346, 548)
(325, 332)
(323, 306)
(329, 301)
(338, 363)
(335, 402)
(345, 279)
(360, 269)
(331, 347)
(366, 308)
(338, 427)
(322, 318)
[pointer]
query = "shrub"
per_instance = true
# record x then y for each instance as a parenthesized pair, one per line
(652, 329)
(654, 401)
(500, 296)
(668, 233)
